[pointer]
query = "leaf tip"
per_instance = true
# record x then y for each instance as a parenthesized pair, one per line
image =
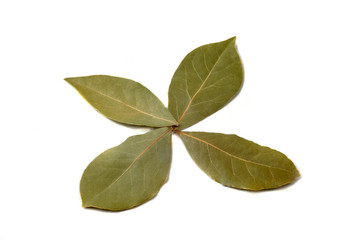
(232, 39)
(297, 173)
(68, 80)
(85, 205)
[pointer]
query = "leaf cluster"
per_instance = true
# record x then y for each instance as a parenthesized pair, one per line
(134, 171)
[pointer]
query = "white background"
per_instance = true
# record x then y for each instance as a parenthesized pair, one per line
(300, 96)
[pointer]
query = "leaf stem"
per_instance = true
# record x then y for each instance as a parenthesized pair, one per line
(174, 130)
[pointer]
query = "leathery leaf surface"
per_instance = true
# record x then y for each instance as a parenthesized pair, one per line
(123, 100)
(206, 79)
(237, 162)
(129, 174)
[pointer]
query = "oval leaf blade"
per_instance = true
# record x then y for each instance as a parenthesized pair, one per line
(206, 79)
(123, 100)
(129, 174)
(237, 162)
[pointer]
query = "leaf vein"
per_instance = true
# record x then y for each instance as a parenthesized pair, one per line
(211, 161)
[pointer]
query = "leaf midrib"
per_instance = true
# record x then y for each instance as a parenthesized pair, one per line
(231, 155)
(117, 100)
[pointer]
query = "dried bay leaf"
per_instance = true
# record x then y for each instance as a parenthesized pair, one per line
(134, 172)
(123, 100)
(237, 162)
(206, 79)
(129, 174)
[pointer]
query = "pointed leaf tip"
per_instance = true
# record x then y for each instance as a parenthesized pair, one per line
(232, 39)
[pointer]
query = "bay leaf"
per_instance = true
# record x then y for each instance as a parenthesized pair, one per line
(123, 100)
(206, 79)
(129, 174)
(236, 162)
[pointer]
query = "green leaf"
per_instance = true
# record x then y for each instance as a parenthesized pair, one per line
(237, 162)
(129, 174)
(123, 100)
(205, 81)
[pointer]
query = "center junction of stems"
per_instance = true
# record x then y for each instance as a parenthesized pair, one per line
(174, 130)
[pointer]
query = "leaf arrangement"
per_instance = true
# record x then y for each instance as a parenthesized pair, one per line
(132, 173)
